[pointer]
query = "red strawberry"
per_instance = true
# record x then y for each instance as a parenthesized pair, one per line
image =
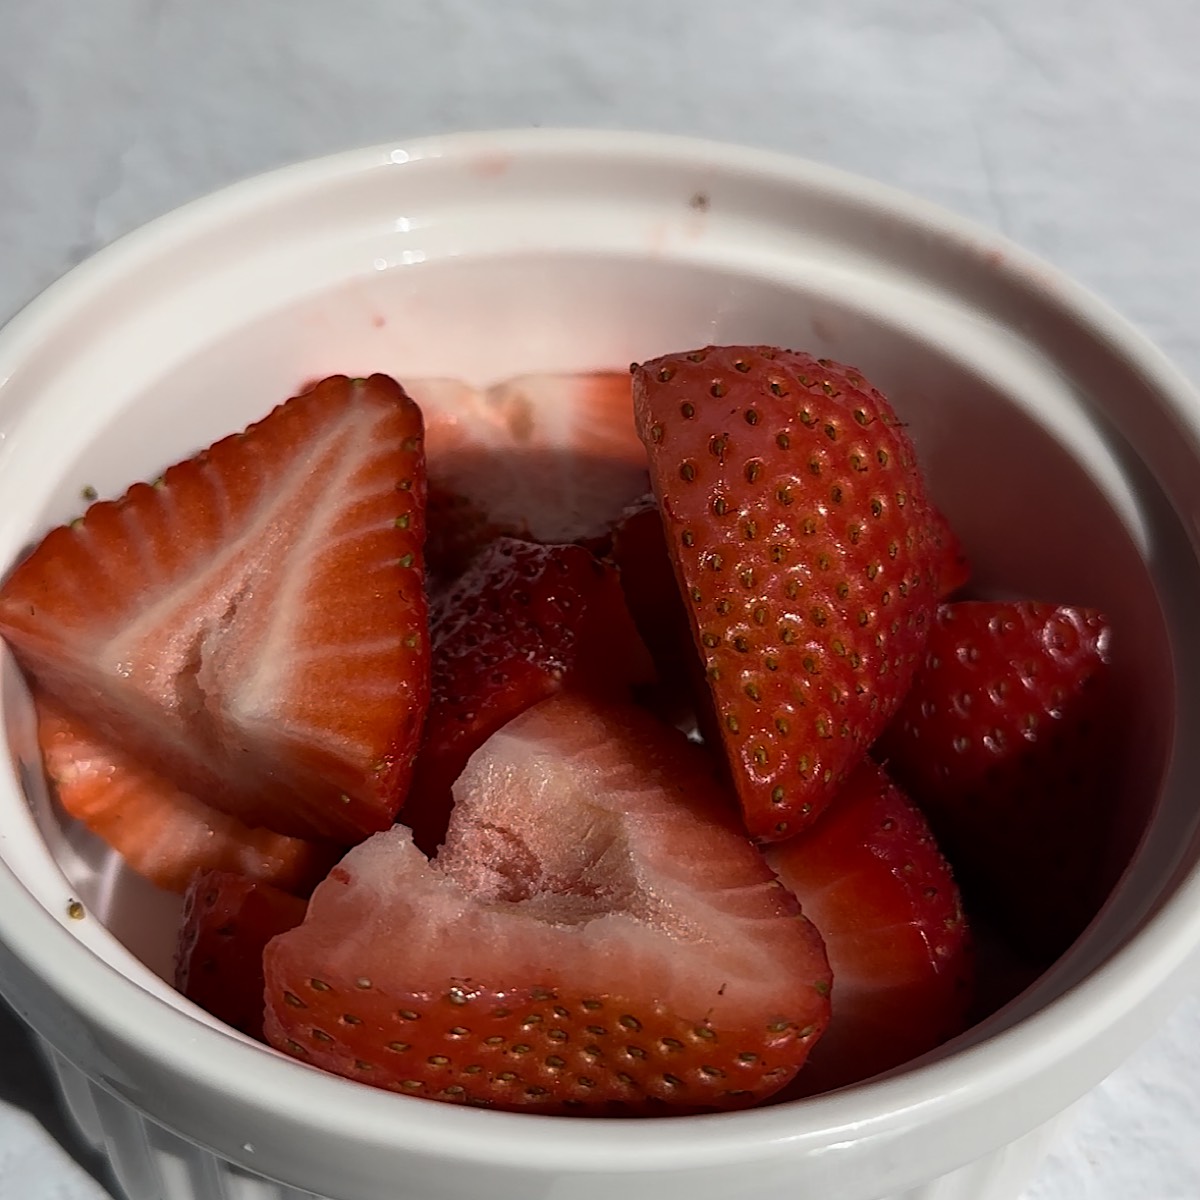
(523, 622)
(639, 550)
(252, 627)
(227, 922)
(163, 833)
(953, 569)
(808, 553)
(869, 875)
(551, 458)
(596, 936)
(1003, 741)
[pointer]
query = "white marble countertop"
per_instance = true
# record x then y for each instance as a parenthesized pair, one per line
(1070, 125)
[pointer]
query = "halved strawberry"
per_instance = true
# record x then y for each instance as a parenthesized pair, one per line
(1004, 740)
(551, 458)
(227, 922)
(808, 554)
(252, 626)
(163, 833)
(596, 936)
(870, 877)
(522, 623)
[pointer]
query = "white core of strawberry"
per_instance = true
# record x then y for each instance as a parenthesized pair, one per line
(579, 856)
(222, 648)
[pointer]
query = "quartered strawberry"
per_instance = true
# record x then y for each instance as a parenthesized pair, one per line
(639, 550)
(808, 553)
(597, 936)
(638, 547)
(550, 458)
(870, 877)
(952, 567)
(522, 623)
(163, 833)
(252, 627)
(1003, 740)
(227, 922)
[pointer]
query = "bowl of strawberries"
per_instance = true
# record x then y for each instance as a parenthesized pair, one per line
(554, 662)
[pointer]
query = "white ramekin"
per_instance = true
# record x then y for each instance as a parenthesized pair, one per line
(1065, 449)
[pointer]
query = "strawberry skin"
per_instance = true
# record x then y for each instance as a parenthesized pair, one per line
(227, 922)
(870, 876)
(548, 458)
(162, 833)
(523, 622)
(252, 627)
(1003, 740)
(809, 556)
(597, 936)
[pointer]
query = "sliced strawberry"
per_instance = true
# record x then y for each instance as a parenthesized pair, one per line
(522, 623)
(952, 567)
(252, 627)
(163, 833)
(596, 936)
(227, 922)
(639, 550)
(1004, 742)
(551, 458)
(870, 876)
(808, 555)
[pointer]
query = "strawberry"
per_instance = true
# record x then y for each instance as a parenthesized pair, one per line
(163, 833)
(1003, 741)
(596, 936)
(638, 547)
(951, 564)
(227, 921)
(550, 458)
(870, 876)
(809, 556)
(523, 622)
(252, 627)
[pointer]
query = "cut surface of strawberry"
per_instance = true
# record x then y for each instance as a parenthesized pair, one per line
(523, 622)
(227, 922)
(252, 627)
(807, 552)
(1004, 740)
(638, 548)
(162, 833)
(552, 458)
(870, 877)
(597, 936)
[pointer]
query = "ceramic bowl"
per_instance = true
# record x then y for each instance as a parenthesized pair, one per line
(1064, 448)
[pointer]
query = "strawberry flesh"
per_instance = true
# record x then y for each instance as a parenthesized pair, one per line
(1005, 741)
(597, 936)
(522, 623)
(638, 548)
(227, 922)
(549, 458)
(162, 833)
(870, 876)
(252, 627)
(808, 554)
